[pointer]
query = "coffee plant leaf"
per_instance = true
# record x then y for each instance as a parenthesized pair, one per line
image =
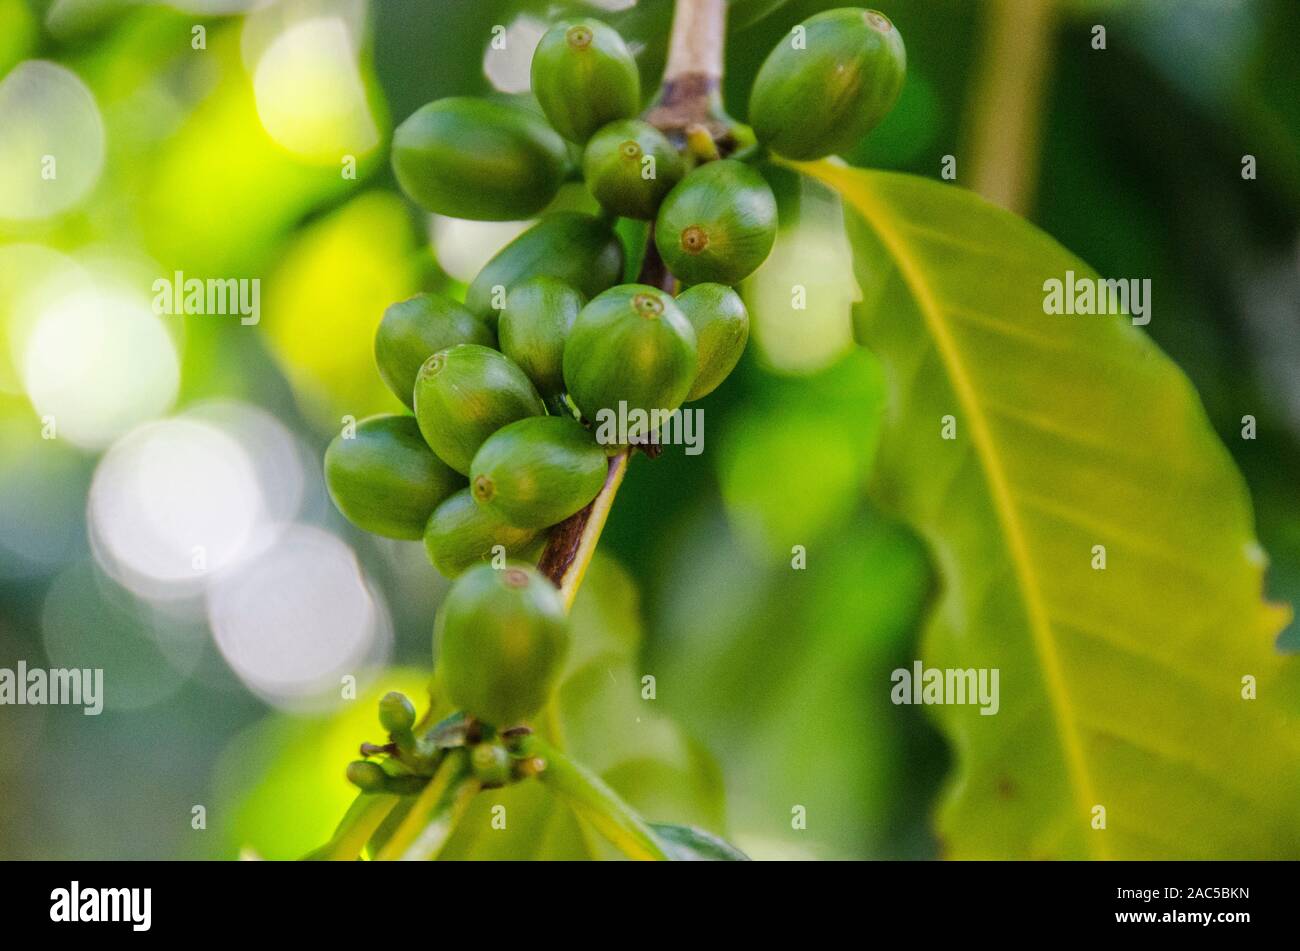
(687, 844)
(644, 756)
(522, 822)
(608, 710)
(1094, 545)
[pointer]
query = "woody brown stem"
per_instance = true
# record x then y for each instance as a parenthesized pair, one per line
(695, 48)
(693, 77)
(573, 542)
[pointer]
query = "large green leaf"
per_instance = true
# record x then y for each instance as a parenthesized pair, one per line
(1122, 687)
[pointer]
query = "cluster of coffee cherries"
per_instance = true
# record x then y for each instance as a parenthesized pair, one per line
(506, 385)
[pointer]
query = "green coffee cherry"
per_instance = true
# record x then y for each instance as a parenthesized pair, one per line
(367, 776)
(822, 98)
(533, 328)
(538, 471)
(630, 345)
(584, 77)
(416, 329)
(578, 249)
(396, 712)
(491, 764)
(384, 479)
(718, 225)
(479, 159)
(630, 166)
(461, 533)
(501, 641)
(721, 329)
(465, 394)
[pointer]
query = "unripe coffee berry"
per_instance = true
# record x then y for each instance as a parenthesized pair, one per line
(461, 533)
(584, 77)
(580, 250)
(534, 326)
(465, 394)
(718, 225)
(538, 471)
(721, 325)
(630, 166)
(479, 159)
(414, 330)
(823, 96)
(501, 641)
(384, 479)
(631, 354)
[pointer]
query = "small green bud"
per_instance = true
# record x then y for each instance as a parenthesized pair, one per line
(367, 776)
(491, 764)
(396, 713)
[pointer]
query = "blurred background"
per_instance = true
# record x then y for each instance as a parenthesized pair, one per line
(162, 510)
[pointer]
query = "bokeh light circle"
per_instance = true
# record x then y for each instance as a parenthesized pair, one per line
(310, 95)
(508, 61)
(275, 454)
(463, 247)
(172, 503)
(296, 619)
(52, 143)
(97, 361)
(32, 276)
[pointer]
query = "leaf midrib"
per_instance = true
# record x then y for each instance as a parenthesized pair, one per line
(1037, 615)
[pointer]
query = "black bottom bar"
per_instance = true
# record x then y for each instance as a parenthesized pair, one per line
(1221, 900)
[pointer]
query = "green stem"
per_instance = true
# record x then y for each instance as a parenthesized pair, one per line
(434, 816)
(363, 818)
(595, 802)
